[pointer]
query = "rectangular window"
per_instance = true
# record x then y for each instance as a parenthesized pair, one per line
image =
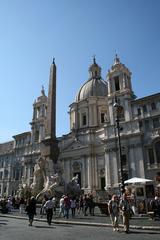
(103, 183)
(139, 111)
(102, 117)
(84, 119)
(140, 125)
(144, 109)
(157, 150)
(156, 123)
(5, 174)
(153, 106)
(17, 174)
(151, 155)
(147, 126)
(116, 81)
(1, 163)
(124, 160)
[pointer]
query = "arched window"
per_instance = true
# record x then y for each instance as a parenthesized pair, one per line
(36, 139)
(151, 156)
(84, 119)
(154, 153)
(116, 82)
(157, 150)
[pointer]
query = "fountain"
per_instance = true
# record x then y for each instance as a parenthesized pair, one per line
(48, 181)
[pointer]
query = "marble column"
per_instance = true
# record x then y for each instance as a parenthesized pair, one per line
(107, 170)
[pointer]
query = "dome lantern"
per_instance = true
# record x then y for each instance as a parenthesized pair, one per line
(94, 69)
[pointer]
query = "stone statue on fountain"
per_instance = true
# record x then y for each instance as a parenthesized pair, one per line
(47, 179)
(39, 177)
(73, 187)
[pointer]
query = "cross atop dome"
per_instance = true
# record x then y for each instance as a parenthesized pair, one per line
(43, 91)
(94, 59)
(116, 59)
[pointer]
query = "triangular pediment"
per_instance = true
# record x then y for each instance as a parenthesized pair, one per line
(76, 144)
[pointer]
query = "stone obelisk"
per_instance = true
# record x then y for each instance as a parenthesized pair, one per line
(50, 143)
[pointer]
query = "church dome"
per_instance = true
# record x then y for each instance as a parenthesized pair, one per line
(95, 86)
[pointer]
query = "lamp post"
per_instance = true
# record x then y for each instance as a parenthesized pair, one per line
(118, 109)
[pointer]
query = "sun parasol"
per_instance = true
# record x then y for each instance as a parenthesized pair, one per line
(137, 180)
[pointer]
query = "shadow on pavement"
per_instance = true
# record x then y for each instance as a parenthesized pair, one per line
(142, 232)
(51, 227)
(83, 218)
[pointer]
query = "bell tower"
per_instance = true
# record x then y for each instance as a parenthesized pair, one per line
(39, 117)
(120, 86)
(119, 79)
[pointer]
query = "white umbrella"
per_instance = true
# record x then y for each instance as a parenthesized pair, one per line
(137, 180)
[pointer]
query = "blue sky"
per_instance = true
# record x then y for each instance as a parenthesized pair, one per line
(72, 31)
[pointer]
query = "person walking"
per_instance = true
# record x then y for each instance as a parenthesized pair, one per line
(91, 204)
(48, 206)
(67, 205)
(113, 210)
(85, 204)
(73, 206)
(31, 209)
(155, 205)
(81, 204)
(126, 210)
(42, 210)
(21, 205)
(61, 206)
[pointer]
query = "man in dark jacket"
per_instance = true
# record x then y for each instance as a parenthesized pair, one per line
(31, 209)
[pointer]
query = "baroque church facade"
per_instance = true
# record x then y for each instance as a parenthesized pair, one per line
(90, 150)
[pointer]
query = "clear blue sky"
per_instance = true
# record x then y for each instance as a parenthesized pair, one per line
(32, 32)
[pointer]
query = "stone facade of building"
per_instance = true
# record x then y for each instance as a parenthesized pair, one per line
(90, 150)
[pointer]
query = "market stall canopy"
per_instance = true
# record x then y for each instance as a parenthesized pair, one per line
(137, 180)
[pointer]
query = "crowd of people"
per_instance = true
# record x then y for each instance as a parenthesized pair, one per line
(67, 206)
(70, 206)
(9, 203)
